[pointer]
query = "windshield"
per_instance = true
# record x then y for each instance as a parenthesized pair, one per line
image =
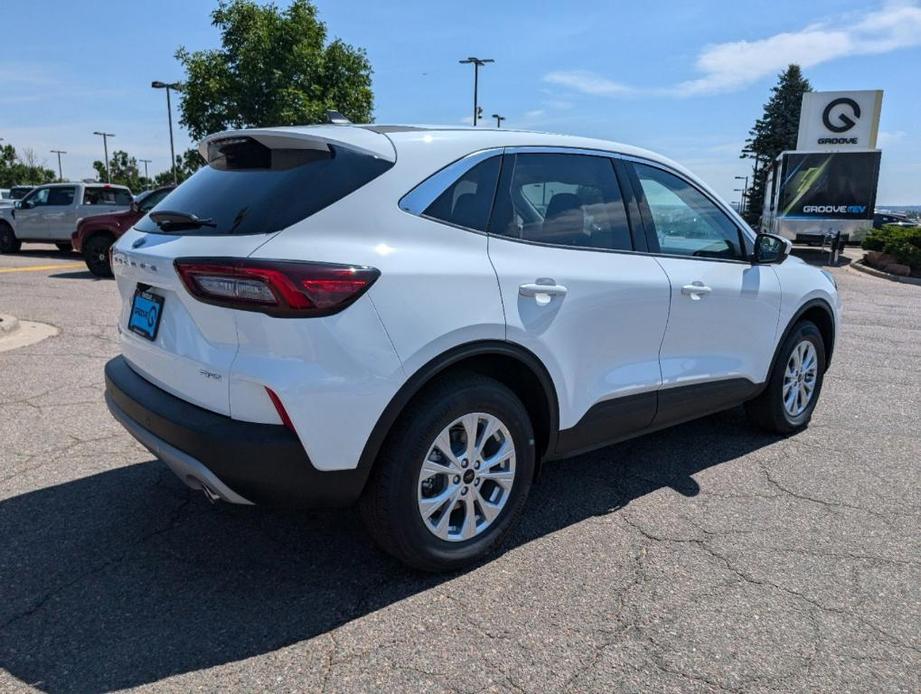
(251, 189)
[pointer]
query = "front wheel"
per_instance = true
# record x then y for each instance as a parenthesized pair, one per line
(96, 254)
(453, 476)
(793, 387)
(8, 241)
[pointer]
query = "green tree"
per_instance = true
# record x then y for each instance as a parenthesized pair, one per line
(773, 133)
(187, 163)
(24, 168)
(123, 170)
(274, 67)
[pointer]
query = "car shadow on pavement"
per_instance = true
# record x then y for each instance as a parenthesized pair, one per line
(125, 577)
(78, 275)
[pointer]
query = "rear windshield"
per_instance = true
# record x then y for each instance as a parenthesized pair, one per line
(248, 188)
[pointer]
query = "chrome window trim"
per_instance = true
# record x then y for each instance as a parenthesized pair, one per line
(417, 200)
(423, 194)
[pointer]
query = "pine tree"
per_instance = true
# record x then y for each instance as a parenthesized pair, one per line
(773, 133)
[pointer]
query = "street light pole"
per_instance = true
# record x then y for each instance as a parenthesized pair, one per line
(146, 175)
(105, 147)
(499, 119)
(744, 197)
(157, 84)
(59, 152)
(477, 64)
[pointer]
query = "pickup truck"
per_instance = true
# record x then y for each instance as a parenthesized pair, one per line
(50, 213)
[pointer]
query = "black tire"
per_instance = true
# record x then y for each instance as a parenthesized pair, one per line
(8, 241)
(768, 410)
(96, 254)
(389, 505)
(64, 246)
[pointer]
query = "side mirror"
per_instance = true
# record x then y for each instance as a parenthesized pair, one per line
(135, 207)
(771, 249)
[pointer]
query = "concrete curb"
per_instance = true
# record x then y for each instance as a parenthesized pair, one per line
(8, 324)
(860, 266)
(24, 333)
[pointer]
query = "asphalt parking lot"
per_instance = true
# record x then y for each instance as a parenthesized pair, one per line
(708, 557)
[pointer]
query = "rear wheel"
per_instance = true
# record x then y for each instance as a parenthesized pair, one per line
(64, 246)
(793, 388)
(96, 254)
(453, 476)
(8, 241)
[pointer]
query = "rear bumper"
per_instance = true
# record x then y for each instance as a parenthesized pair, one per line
(240, 462)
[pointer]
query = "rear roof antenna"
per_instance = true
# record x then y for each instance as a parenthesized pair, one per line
(337, 118)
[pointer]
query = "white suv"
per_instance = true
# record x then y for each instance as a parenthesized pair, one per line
(414, 318)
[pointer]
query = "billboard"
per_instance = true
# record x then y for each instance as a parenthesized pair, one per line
(828, 185)
(839, 121)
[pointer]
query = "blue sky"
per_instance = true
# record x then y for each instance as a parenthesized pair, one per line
(683, 78)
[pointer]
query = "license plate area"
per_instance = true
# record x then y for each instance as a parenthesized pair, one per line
(146, 311)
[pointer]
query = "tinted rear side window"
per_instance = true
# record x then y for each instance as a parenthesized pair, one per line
(468, 200)
(251, 189)
(561, 199)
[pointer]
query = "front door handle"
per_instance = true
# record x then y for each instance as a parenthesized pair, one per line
(695, 290)
(543, 290)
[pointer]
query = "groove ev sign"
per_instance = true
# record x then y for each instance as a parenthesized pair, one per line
(838, 121)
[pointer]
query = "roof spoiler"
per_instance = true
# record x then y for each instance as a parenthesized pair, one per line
(311, 137)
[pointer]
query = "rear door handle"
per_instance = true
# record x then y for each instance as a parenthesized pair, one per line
(695, 290)
(542, 292)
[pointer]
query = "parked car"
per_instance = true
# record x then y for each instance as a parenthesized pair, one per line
(95, 235)
(49, 213)
(881, 219)
(8, 196)
(414, 319)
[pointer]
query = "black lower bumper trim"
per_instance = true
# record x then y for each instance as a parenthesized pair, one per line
(264, 463)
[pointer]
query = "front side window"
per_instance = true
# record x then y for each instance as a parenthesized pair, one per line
(561, 199)
(467, 202)
(686, 221)
(36, 198)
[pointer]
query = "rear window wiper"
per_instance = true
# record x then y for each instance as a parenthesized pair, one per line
(168, 219)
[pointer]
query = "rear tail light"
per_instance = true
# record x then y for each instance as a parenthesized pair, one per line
(285, 289)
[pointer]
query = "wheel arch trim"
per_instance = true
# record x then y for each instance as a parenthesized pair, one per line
(437, 366)
(821, 304)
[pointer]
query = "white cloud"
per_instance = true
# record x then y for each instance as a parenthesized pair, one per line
(733, 65)
(889, 137)
(587, 82)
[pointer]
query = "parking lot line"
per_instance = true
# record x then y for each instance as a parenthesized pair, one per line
(37, 268)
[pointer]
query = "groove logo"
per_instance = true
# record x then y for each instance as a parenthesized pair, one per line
(843, 121)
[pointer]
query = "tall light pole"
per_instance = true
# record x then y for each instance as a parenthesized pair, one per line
(59, 152)
(499, 119)
(105, 147)
(146, 175)
(477, 64)
(157, 84)
(744, 191)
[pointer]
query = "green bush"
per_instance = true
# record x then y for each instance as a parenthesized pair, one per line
(903, 243)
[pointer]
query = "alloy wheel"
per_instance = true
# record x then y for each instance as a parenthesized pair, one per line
(466, 477)
(799, 379)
